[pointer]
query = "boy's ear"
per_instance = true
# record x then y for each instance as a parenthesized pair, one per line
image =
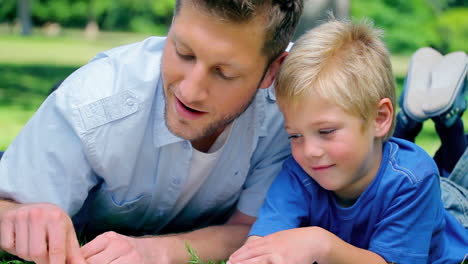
(273, 71)
(384, 119)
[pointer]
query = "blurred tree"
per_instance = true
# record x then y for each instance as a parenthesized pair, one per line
(453, 28)
(408, 24)
(317, 11)
(134, 15)
(24, 13)
(8, 11)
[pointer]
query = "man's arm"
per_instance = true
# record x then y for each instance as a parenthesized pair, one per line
(211, 243)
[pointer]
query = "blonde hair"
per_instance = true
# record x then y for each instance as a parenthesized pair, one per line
(343, 62)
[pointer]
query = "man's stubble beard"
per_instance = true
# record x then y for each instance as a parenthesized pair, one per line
(217, 124)
(211, 128)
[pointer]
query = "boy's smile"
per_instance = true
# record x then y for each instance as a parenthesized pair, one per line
(334, 147)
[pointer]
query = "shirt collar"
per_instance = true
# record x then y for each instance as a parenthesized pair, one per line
(162, 135)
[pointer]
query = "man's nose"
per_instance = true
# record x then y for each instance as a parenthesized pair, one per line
(194, 87)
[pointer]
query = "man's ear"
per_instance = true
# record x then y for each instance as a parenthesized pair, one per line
(384, 119)
(273, 71)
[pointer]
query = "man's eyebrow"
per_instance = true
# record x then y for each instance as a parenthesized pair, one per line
(178, 41)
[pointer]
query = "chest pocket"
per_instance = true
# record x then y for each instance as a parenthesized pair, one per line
(101, 213)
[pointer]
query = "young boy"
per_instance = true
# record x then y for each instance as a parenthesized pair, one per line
(350, 193)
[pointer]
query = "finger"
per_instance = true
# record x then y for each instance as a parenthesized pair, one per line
(7, 235)
(56, 238)
(128, 258)
(248, 252)
(246, 247)
(22, 236)
(262, 259)
(94, 247)
(74, 255)
(38, 238)
(108, 255)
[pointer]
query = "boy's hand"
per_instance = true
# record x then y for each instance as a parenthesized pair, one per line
(42, 233)
(296, 246)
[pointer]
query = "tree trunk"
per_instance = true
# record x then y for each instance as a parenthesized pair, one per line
(92, 28)
(341, 9)
(24, 14)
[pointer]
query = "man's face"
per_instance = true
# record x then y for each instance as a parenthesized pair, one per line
(211, 72)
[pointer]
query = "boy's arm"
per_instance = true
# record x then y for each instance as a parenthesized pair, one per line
(302, 245)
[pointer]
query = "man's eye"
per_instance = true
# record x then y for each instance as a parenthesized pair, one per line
(326, 131)
(220, 73)
(185, 57)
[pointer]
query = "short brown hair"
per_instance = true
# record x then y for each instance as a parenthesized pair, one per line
(281, 16)
(343, 62)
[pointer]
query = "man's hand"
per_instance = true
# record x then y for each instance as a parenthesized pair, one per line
(42, 233)
(114, 248)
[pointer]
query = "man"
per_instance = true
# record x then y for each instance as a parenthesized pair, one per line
(162, 136)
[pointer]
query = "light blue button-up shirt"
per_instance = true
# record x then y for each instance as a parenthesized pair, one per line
(99, 148)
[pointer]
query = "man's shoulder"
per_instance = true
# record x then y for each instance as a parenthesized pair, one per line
(113, 85)
(148, 47)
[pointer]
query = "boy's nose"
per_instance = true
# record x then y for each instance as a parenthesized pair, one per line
(313, 149)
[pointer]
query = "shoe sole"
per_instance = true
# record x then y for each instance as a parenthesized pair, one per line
(417, 82)
(448, 78)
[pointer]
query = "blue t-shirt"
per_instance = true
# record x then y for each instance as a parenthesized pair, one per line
(400, 215)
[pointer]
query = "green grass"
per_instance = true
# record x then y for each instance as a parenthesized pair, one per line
(194, 259)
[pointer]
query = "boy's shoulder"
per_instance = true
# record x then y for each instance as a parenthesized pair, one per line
(408, 159)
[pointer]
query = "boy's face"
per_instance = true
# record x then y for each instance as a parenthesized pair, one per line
(334, 147)
(211, 71)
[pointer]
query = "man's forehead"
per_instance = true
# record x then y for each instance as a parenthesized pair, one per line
(231, 43)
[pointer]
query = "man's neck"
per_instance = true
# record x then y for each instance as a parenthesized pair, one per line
(204, 144)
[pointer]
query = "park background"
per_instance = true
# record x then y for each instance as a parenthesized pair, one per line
(43, 41)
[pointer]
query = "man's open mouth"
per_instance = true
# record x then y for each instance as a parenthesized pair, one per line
(187, 112)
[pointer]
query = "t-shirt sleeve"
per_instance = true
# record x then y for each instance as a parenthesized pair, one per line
(402, 235)
(286, 204)
(266, 162)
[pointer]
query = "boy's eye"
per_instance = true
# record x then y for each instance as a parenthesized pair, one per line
(294, 136)
(326, 131)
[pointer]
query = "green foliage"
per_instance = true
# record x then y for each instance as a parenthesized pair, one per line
(408, 24)
(412, 24)
(125, 15)
(7, 10)
(453, 27)
(194, 259)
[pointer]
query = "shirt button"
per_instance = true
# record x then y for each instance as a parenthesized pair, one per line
(175, 181)
(130, 102)
(186, 145)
